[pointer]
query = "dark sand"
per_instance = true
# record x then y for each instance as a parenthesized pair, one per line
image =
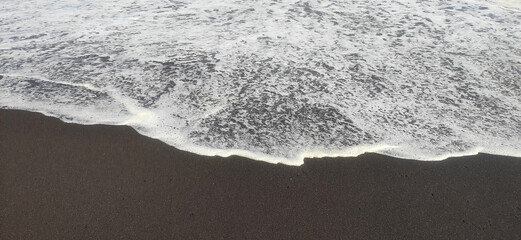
(68, 181)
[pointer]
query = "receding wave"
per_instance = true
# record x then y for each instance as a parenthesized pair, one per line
(275, 81)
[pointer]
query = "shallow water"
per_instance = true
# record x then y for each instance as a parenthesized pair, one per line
(274, 80)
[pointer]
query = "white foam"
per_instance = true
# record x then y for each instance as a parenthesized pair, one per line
(294, 161)
(275, 81)
(510, 5)
(44, 79)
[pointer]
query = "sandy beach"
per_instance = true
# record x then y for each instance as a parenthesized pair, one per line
(69, 181)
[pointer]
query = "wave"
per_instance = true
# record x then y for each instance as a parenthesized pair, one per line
(274, 81)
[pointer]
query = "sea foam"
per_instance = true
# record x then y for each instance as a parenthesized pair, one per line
(277, 81)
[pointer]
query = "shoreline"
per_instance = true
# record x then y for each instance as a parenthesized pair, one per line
(65, 180)
(349, 152)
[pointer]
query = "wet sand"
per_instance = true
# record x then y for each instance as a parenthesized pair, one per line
(69, 181)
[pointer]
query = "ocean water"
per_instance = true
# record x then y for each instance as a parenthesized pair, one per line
(275, 80)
